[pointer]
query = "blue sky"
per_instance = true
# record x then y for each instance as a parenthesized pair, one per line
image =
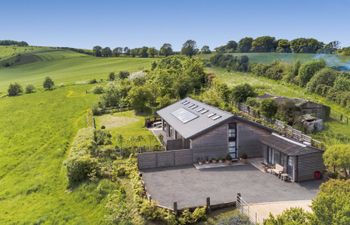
(135, 23)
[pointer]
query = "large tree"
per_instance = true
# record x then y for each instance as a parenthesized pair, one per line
(283, 45)
(48, 84)
(337, 158)
(106, 52)
(189, 48)
(245, 44)
(264, 44)
(240, 93)
(97, 51)
(166, 49)
(205, 49)
(117, 51)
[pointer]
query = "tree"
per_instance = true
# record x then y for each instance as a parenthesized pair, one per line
(30, 89)
(264, 44)
(332, 203)
(166, 50)
(141, 98)
(48, 83)
(292, 216)
(337, 158)
(126, 51)
(231, 46)
(205, 49)
(305, 45)
(152, 52)
(308, 70)
(106, 52)
(111, 76)
(15, 89)
(117, 51)
(97, 51)
(283, 46)
(189, 48)
(268, 108)
(240, 93)
(325, 76)
(245, 44)
(342, 82)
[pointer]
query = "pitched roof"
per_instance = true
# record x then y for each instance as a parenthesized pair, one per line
(287, 146)
(190, 117)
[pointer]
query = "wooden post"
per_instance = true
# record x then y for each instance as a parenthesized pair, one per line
(175, 208)
(238, 201)
(208, 204)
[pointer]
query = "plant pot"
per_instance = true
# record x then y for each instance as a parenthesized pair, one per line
(200, 163)
(220, 161)
(228, 162)
(243, 160)
(214, 161)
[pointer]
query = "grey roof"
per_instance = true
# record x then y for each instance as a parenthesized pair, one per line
(195, 122)
(287, 147)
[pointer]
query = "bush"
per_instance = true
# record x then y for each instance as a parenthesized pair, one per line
(325, 76)
(268, 108)
(48, 83)
(98, 90)
(240, 93)
(30, 89)
(308, 70)
(123, 75)
(96, 110)
(290, 216)
(111, 76)
(15, 89)
(93, 81)
(103, 137)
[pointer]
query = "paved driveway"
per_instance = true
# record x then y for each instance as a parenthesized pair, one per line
(190, 187)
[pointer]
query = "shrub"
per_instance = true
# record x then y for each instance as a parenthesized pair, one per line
(290, 216)
(268, 108)
(48, 83)
(30, 89)
(259, 69)
(123, 75)
(308, 70)
(111, 76)
(325, 76)
(103, 137)
(93, 81)
(98, 90)
(244, 156)
(240, 93)
(15, 89)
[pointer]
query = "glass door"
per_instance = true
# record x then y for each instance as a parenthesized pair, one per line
(232, 140)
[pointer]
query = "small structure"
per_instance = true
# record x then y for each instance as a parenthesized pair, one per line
(311, 123)
(193, 131)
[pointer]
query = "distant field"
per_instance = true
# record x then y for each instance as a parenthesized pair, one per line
(334, 130)
(67, 67)
(331, 59)
(39, 129)
(8, 51)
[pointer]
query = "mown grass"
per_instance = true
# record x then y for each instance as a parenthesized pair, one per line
(130, 126)
(335, 131)
(36, 133)
(67, 67)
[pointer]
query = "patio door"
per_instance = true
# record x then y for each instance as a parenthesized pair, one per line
(232, 140)
(270, 155)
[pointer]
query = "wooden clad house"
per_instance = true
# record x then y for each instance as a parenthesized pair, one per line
(193, 131)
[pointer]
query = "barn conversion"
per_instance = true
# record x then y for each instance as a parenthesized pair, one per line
(193, 131)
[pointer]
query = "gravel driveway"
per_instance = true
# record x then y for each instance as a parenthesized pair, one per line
(190, 187)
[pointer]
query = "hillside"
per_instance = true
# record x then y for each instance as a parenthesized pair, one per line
(65, 67)
(9, 51)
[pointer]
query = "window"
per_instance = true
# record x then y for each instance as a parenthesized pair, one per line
(211, 115)
(204, 111)
(216, 117)
(199, 109)
(232, 140)
(183, 115)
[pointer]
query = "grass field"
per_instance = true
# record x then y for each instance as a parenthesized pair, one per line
(128, 125)
(8, 51)
(67, 67)
(334, 130)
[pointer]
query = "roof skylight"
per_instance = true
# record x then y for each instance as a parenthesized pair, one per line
(216, 117)
(183, 115)
(211, 115)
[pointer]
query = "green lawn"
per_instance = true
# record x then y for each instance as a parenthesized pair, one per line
(334, 129)
(128, 125)
(66, 67)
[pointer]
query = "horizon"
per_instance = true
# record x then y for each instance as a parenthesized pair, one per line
(84, 24)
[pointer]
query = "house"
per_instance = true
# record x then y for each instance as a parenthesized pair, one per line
(193, 131)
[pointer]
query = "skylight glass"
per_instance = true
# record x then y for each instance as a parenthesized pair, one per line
(183, 102)
(190, 105)
(204, 111)
(211, 114)
(186, 103)
(216, 117)
(183, 115)
(193, 107)
(199, 109)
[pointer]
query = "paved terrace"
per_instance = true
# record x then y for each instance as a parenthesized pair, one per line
(190, 187)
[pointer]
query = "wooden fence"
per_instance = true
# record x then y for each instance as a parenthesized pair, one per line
(281, 127)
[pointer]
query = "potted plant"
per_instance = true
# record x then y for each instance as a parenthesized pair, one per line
(228, 159)
(243, 158)
(220, 160)
(199, 161)
(213, 160)
(207, 161)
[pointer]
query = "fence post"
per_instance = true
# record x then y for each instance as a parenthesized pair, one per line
(175, 208)
(208, 204)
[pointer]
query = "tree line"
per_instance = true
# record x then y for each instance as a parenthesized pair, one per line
(271, 44)
(189, 48)
(12, 42)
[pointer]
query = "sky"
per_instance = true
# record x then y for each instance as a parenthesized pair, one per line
(137, 23)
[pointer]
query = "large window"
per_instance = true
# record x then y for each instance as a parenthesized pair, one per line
(232, 140)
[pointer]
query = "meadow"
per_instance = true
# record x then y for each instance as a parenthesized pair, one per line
(8, 51)
(335, 131)
(67, 67)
